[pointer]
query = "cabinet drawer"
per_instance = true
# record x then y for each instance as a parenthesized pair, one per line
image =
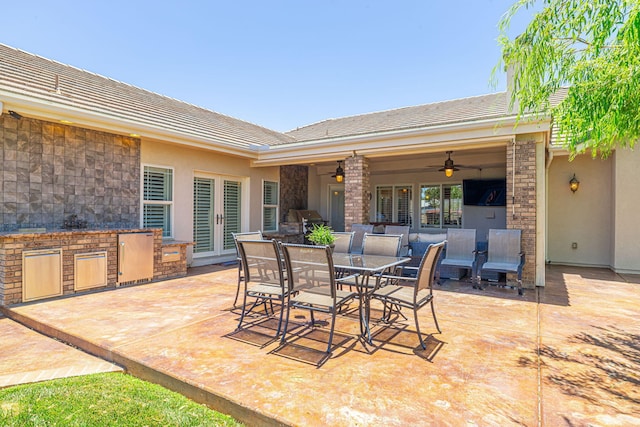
(90, 270)
(41, 274)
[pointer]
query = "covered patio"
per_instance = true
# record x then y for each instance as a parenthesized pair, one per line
(564, 354)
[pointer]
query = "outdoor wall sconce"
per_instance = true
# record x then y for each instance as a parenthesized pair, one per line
(339, 176)
(15, 115)
(449, 167)
(574, 184)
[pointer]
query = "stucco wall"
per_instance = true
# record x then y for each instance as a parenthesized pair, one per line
(583, 217)
(187, 162)
(626, 244)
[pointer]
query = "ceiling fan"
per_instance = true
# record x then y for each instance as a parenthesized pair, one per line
(450, 167)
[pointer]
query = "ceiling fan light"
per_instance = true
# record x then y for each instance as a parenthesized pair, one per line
(339, 175)
(449, 167)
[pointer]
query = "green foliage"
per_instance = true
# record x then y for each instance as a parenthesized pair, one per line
(321, 234)
(593, 48)
(113, 399)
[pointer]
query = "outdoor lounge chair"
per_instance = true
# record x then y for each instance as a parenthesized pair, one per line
(359, 231)
(503, 255)
(460, 250)
(343, 241)
(313, 284)
(412, 292)
(251, 235)
(264, 279)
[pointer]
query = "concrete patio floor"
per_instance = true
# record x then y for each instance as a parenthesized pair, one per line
(564, 355)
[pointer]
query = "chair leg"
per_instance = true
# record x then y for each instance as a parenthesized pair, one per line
(244, 309)
(280, 320)
(333, 324)
(415, 316)
(433, 311)
(235, 300)
(286, 324)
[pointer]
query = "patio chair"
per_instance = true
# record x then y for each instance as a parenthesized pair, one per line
(313, 284)
(460, 251)
(264, 279)
(503, 255)
(251, 235)
(377, 244)
(343, 241)
(381, 244)
(412, 292)
(404, 231)
(359, 231)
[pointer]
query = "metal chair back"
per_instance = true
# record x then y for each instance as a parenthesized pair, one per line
(427, 269)
(359, 231)
(461, 244)
(261, 262)
(400, 229)
(504, 246)
(343, 241)
(381, 244)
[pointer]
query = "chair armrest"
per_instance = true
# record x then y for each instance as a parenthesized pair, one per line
(388, 278)
(349, 277)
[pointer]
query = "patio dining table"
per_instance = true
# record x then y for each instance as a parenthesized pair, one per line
(367, 266)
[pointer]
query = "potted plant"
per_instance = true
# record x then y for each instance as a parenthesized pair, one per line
(321, 234)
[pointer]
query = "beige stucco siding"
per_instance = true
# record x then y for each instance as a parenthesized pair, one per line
(188, 162)
(583, 217)
(626, 244)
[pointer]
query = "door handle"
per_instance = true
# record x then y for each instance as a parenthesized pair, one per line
(121, 259)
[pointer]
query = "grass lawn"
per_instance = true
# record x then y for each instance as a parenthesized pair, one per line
(112, 399)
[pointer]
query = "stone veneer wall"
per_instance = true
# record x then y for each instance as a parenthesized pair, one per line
(357, 201)
(163, 270)
(50, 171)
(294, 189)
(72, 243)
(523, 217)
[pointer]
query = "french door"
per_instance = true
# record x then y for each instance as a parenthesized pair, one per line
(217, 213)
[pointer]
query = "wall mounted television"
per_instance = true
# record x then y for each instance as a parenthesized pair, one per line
(484, 192)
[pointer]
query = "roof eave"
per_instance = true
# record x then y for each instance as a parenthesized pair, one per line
(485, 132)
(48, 110)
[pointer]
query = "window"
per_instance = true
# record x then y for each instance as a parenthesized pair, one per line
(394, 204)
(157, 202)
(270, 196)
(441, 206)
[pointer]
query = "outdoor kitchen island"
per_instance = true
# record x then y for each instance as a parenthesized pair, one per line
(39, 263)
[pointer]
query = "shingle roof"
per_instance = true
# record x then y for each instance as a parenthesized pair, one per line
(22, 73)
(439, 113)
(464, 110)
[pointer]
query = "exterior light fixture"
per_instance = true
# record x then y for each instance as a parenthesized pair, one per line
(574, 184)
(449, 167)
(339, 176)
(15, 115)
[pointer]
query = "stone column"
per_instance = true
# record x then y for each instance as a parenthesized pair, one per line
(294, 188)
(356, 191)
(521, 203)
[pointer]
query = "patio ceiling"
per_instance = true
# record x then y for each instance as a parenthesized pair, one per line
(479, 159)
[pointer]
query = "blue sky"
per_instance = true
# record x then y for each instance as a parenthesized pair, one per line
(281, 63)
